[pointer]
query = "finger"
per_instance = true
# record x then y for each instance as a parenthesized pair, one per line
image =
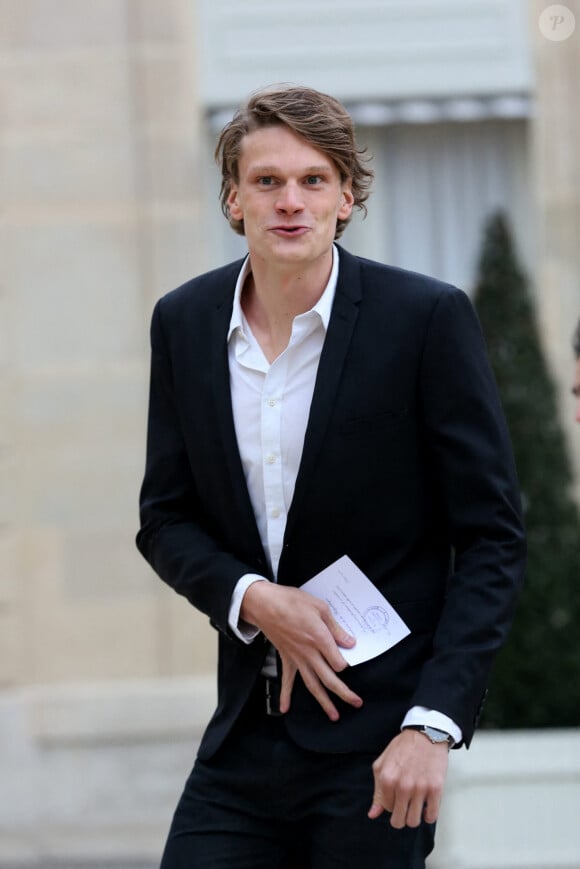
(399, 815)
(381, 800)
(333, 657)
(318, 684)
(312, 683)
(375, 810)
(415, 811)
(287, 683)
(328, 648)
(345, 693)
(340, 636)
(401, 806)
(318, 691)
(432, 806)
(332, 683)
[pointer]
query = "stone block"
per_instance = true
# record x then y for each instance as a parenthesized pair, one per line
(103, 565)
(74, 291)
(75, 631)
(92, 641)
(123, 712)
(172, 168)
(10, 623)
(4, 319)
(180, 246)
(187, 642)
(102, 401)
(8, 568)
(79, 449)
(35, 25)
(8, 470)
(18, 782)
(170, 22)
(41, 94)
(39, 568)
(38, 174)
(165, 98)
(79, 491)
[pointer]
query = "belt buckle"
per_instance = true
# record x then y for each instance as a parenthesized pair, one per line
(273, 698)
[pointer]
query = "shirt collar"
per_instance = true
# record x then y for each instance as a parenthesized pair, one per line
(323, 307)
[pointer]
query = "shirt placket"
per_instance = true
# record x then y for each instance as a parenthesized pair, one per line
(271, 445)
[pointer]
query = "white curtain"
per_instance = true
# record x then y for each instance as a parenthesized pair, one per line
(435, 186)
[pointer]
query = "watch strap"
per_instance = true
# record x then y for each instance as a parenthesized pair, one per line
(433, 734)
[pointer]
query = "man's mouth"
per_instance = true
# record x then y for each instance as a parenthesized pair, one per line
(289, 230)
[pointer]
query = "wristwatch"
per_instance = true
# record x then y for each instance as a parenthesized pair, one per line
(433, 734)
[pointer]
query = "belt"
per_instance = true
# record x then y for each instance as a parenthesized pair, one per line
(265, 698)
(272, 695)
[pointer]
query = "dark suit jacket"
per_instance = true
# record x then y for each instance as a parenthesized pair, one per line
(407, 468)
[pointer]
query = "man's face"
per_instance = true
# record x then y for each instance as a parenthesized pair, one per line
(576, 388)
(289, 196)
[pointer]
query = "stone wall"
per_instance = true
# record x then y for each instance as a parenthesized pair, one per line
(100, 170)
(556, 131)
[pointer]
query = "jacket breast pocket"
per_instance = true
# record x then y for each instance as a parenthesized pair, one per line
(384, 422)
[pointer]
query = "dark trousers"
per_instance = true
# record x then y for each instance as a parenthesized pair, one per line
(264, 803)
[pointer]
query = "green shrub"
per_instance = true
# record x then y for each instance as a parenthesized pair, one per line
(536, 679)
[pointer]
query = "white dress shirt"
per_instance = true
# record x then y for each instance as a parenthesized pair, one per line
(271, 403)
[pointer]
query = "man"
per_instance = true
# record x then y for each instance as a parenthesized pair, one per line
(306, 404)
(576, 386)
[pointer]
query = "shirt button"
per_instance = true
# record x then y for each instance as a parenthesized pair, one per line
(275, 513)
(270, 459)
(272, 402)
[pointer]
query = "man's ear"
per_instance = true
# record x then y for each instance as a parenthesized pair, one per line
(346, 201)
(233, 204)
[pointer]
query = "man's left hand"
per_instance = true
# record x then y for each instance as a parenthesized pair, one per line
(409, 779)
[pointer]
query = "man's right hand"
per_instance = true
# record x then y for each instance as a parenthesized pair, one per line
(307, 638)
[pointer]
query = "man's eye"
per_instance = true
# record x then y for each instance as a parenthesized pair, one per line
(313, 179)
(265, 180)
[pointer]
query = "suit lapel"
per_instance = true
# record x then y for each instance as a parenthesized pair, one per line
(340, 328)
(226, 433)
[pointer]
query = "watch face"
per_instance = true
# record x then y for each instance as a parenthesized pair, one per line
(436, 735)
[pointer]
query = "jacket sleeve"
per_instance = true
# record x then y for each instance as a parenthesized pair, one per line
(174, 537)
(475, 473)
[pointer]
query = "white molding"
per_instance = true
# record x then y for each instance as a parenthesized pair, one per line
(110, 712)
(385, 113)
(364, 50)
(512, 801)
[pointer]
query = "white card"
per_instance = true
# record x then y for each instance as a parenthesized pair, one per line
(359, 607)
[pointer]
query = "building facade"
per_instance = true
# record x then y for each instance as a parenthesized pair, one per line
(110, 110)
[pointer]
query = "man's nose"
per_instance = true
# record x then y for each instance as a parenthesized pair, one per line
(290, 198)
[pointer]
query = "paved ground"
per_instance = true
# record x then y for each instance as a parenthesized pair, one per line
(75, 865)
